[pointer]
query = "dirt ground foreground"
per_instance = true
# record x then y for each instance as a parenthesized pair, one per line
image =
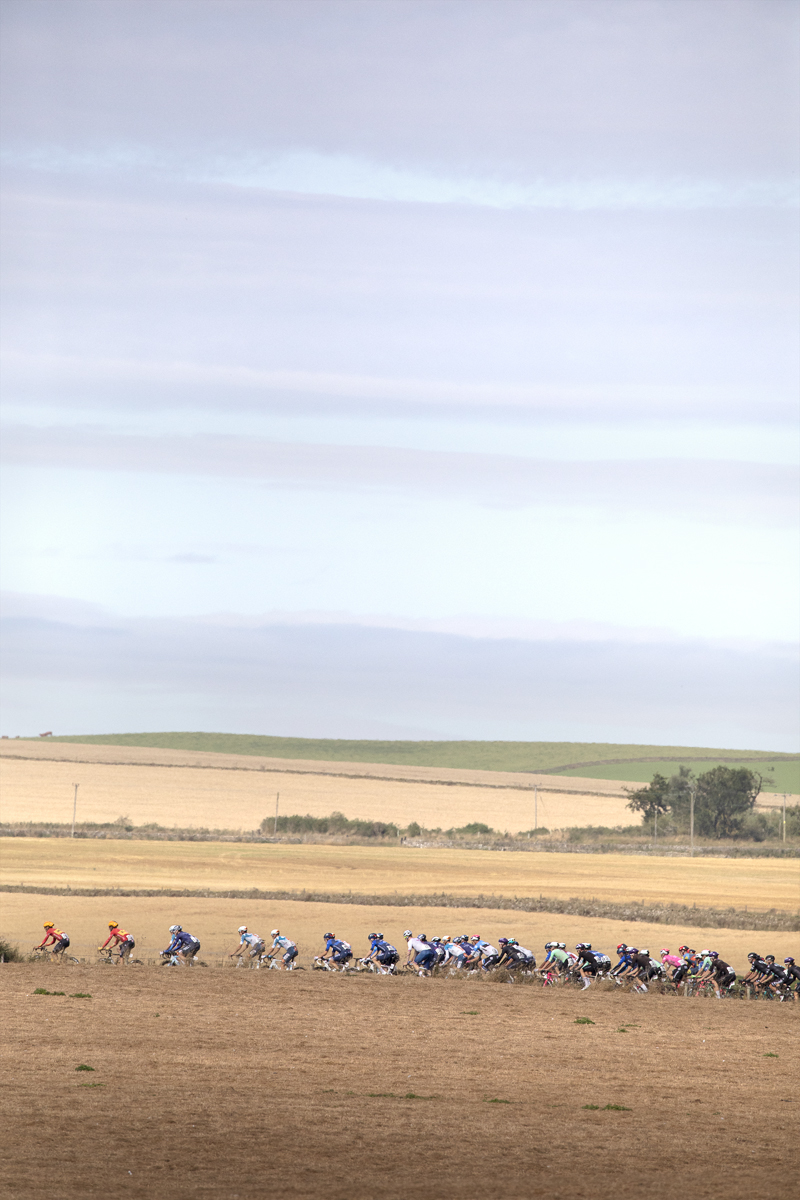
(244, 1085)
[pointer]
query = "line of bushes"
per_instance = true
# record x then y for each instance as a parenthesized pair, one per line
(336, 823)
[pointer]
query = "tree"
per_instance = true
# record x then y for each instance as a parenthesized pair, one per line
(651, 800)
(725, 795)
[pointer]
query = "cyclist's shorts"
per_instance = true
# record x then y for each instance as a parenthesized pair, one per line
(591, 968)
(490, 961)
(128, 945)
(61, 945)
(426, 959)
(342, 956)
(388, 960)
(190, 951)
(258, 948)
(290, 955)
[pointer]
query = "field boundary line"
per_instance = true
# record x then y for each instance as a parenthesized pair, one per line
(656, 914)
(509, 787)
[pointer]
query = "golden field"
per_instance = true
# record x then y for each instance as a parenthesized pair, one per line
(229, 791)
(214, 922)
(382, 870)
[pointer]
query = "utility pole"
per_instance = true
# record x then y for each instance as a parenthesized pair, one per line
(535, 809)
(75, 807)
(691, 817)
(655, 824)
(784, 816)
(275, 830)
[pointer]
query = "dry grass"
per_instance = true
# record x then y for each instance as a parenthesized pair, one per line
(739, 883)
(215, 922)
(238, 791)
(240, 1085)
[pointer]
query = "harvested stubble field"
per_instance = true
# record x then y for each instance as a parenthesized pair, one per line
(242, 1085)
(381, 870)
(236, 791)
(215, 921)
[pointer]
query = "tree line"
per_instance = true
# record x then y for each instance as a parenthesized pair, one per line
(724, 803)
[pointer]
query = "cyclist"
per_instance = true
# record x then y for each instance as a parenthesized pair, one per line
(590, 963)
(184, 946)
(438, 945)
(422, 953)
(670, 962)
(337, 951)
(251, 945)
(60, 941)
(624, 968)
(792, 978)
(515, 957)
(722, 974)
(556, 960)
(489, 955)
(120, 939)
(282, 943)
(454, 953)
(382, 953)
(777, 975)
(759, 973)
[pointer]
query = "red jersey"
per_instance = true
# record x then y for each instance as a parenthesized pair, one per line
(55, 934)
(117, 933)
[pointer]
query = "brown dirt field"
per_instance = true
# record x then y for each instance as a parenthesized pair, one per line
(243, 1085)
(215, 922)
(237, 791)
(753, 883)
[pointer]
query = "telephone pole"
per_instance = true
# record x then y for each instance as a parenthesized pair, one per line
(75, 807)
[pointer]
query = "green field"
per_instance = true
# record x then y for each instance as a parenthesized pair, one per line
(592, 760)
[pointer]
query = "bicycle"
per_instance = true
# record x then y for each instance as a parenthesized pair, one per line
(42, 953)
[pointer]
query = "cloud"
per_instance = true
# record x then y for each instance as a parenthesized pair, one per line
(712, 490)
(351, 681)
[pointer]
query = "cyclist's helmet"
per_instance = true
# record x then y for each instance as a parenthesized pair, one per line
(329, 935)
(502, 941)
(476, 937)
(682, 949)
(113, 924)
(647, 952)
(752, 955)
(704, 953)
(371, 937)
(407, 933)
(789, 962)
(587, 945)
(769, 958)
(175, 929)
(275, 933)
(664, 950)
(423, 937)
(581, 946)
(550, 945)
(242, 929)
(49, 925)
(621, 947)
(379, 935)
(714, 953)
(512, 942)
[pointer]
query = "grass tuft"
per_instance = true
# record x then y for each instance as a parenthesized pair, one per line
(496, 1101)
(584, 1021)
(84, 1067)
(770, 1055)
(80, 995)
(616, 1108)
(44, 992)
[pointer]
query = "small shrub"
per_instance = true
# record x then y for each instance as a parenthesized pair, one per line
(469, 1012)
(770, 1055)
(84, 1067)
(592, 1107)
(44, 992)
(496, 1101)
(10, 953)
(474, 827)
(616, 1108)
(584, 1021)
(80, 996)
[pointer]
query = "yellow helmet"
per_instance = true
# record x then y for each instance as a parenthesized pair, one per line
(49, 925)
(113, 924)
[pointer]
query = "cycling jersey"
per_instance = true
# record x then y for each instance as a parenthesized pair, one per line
(338, 948)
(722, 969)
(56, 935)
(671, 960)
(419, 947)
(556, 957)
(181, 942)
(252, 940)
(282, 943)
(119, 934)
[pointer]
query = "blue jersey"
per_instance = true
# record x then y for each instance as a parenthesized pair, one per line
(179, 940)
(336, 946)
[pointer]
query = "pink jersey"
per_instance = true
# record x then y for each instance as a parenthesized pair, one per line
(671, 960)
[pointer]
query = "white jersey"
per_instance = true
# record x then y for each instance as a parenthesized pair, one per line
(282, 943)
(252, 939)
(488, 951)
(418, 946)
(525, 953)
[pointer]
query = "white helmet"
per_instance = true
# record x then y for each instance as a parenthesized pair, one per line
(275, 933)
(242, 929)
(407, 933)
(175, 929)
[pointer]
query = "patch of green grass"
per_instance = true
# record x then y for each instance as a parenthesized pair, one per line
(496, 1101)
(84, 1067)
(584, 1021)
(616, 1108)
(770, 1055)
(44, 992)
(592, 1107)
(593, 760)
(80, 995)
(469, 1012)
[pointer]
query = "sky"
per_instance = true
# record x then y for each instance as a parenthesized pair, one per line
(401, 370)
